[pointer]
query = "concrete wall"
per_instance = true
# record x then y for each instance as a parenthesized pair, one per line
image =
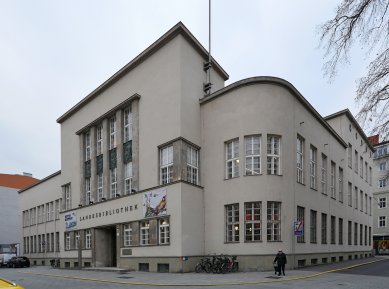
(10, 216)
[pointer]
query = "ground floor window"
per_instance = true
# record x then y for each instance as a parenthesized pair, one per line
(274, 221)
(232, 223)
(145, 233)
(253, 221)
(67, 241)
(164, 231)
(127, 234)
(88, 239)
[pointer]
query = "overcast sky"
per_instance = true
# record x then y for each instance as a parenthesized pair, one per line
(54, 53)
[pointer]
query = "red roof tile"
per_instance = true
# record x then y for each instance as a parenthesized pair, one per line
(16, 181)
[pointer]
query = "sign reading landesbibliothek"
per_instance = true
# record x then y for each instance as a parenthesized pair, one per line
(154, 203)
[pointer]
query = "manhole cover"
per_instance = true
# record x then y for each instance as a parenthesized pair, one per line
(125, 277)
(273, 277)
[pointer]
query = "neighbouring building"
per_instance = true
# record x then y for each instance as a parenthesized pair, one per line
(10, 232)
(155, 173)
(381, 195)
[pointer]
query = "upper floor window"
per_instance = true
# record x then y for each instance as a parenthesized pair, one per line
(366, 171)
(300, 159)
(99, 140)
(88, 196)
(361, 166)
(313, 167)
(371, 176)
(333, 178)
(253, 155)
(166, 164)
(87, 146)
(382, 166)
(113, 182)
(273, 154)
(252, 221)
(341, 185)
(382, 183)
(381, 221)
(100, 188)
(127, 124)
(232, 159)
(356, 197)
(356, 162)
(324, 174)
(192, 165)
(350, 155)
(112, 132)
(164, 231)
(128, 178)
(67, 197)
(382, 202)
(232, 223)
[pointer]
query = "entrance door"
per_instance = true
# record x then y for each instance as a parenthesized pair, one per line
(105, 246)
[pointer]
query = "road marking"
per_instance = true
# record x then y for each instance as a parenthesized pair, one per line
(202, 285)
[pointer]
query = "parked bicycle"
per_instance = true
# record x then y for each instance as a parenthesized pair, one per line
(218, 264)
(55, 263)
(204, 266)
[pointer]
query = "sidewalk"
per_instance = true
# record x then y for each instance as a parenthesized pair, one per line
(192, 279)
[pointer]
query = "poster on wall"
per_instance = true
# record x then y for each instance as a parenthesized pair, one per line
(154, 203)
(383, 247)
(70, 221)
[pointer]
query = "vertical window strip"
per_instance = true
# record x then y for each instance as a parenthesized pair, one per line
(164, 231)
(113, 182)
(300, 160)
(88, 239)
(128, 178)
(232, 159)
(166, 165)
(340, 231)
(192, 165)
(100, 188)
(232, 223)
(324, 174)
(88, 196)
(300, 218)
(112, 132)
(127, 235)
(273, 221)
(253, 226)
(273, 154)
(145, 232)
(324, 228)
(313, 226)
(253, 155)
(313, 167)
(127, 124)
(341, 185)
(87, 146)
(99, 140)
(349, 156)
(333, 178)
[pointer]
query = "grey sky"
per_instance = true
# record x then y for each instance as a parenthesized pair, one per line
(53, 53)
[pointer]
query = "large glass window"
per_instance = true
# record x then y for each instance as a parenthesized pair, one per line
(88, 197)
(273, 154)
(355, 234)
(301, 218)
(350, 194)
(273, 221)
(340, 231)
(313, 227)
(112, 132)
(67, 196)
(349, 233)
(166, 165)
(100, 187)
(324, 228)
(313, 167)
(340, 184)
(77, 240)
(164, 231)
(332, 182)
(192, 165)
(356, 197)
(333, 229)
(127, 235)
(67, 241)
(253, 155)
(361, 167)
(232, 159)
(356, 157)
(87, 146)
(253, 226)
(323, 174)
(99, 139)
(88, 239)
(144, 232)
(127, 124)
(382, 183)
(113, 182)
(300, 160)
(128, 178)
(232, 223)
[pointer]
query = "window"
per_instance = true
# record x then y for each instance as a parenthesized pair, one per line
(332, 180)
(33, 216)
(356, 197)
(366, 204)
(382, 166)
(341, 185)
(57, 203)
(87, 146)
(232, 159)
(361, 234)
(361, 200)
(355, 234)
(100, 188)
(349, 155)
(324, 228)
(192, 165)
(300, 218)
(356, 162)
(340, 231)
(67, 241)
(57, 241)
(112, 133)
(313, 226)
(365, 235)
(88, 239)
(99, 139)
(253, 226)
(333, 229)
(164, 231)
(361, 167)
(67, 197)
(300, 159)
(369, 236)
(371, 175)
(313, 167)
(349, 232)
(166, 165)
(253, 155)
(51, 211)
(370, 208)
(43, 213)
(127, 125)
(273, 154)
(232, 223)
(113, 182)
(382, 203)
(273, 221)
(366, 171)
(382, 183)
(88, 197)
(77, 240)
(381, 221)
(127, 235)
(128, 178)
(323, 174)
(350, 194)
(144, 232)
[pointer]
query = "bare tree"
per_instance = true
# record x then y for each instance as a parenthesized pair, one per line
(366, 21)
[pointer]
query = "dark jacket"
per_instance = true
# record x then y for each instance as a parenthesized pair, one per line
(280, 259)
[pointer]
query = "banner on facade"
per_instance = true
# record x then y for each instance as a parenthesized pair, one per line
(154, 203)
(70, 221)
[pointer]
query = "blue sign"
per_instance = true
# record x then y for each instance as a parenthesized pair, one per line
(298, 228)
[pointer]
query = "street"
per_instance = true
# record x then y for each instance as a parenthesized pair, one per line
(363, 274)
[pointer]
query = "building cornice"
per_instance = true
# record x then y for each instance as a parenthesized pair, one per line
(178, 29)
(41, 181)
(280, 82)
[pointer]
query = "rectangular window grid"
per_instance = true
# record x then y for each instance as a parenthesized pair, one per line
(253, 226)
(253, 155)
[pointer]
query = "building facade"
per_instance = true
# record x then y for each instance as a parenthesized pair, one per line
(155, 175)
(381, 196)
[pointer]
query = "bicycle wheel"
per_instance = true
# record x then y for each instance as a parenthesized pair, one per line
(199, 268)
(208, 267)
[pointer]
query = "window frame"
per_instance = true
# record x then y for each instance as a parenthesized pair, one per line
(300, 159)
(313, 167)
(273, 213)
(232, 158)
(252, 167)
(253, 218)
(273, 159)
(164, 231)
(166, 162)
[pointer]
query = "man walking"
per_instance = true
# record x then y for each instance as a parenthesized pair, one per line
(281, 262)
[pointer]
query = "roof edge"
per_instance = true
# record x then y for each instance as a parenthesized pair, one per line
(41, 181)
(280, 82)
(177, 29)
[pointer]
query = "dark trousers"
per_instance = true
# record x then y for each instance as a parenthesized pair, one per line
(281, 267)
